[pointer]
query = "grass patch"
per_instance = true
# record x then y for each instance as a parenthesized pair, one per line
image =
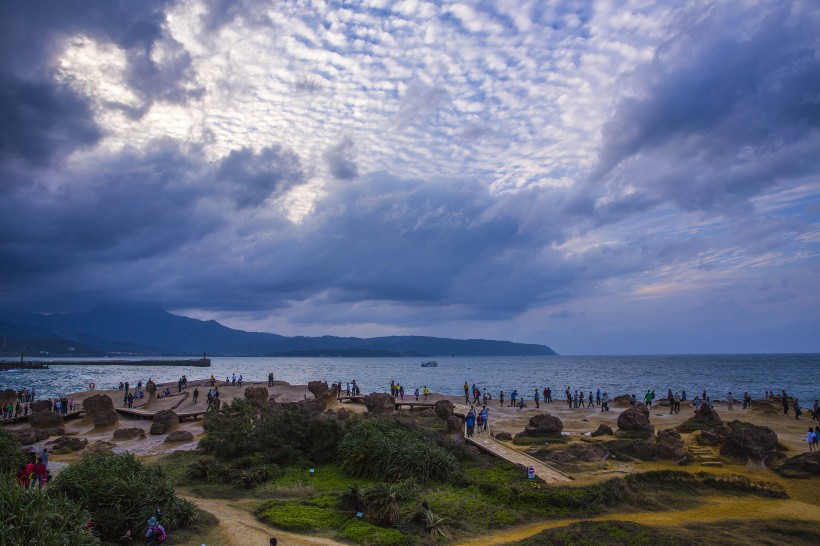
(367, 534)
(300, 517)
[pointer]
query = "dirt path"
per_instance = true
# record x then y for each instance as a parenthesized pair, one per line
(716, 509)
(238, 526)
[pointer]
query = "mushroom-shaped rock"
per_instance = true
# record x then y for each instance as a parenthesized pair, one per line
(151, 387)
(543, 424)
(101, 409)
(67, 444)
(603, 430)
(40, 405)
(122, 434)
(180, 436)
(705, 419)
(379, 402)
(165, 421)
(750, 442)
(257, 395)
(670, 444)
(318, 388)
(45, 420)
(444, 409)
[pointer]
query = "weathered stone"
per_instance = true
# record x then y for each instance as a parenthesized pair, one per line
(722, 432)
(318, 388)
(342, 414)
(686, 460)
(101, 409)
(669, 445)
(40, 405)
(379, 403)
(67, 444)
(151, 387)
(750, 442)
(641, 449)
(454, 423)
(257, 395)
(603, 430)
(313, 405)
(708, 438)
(803, 465)
(622, 400)
(503, 436)
(180, 436)
(100, 446)
(45, 419)
(122, 434)
(543, 424)
(635, 420)
(580, 452)
(444, 409)
(26, 437)
(165, 421)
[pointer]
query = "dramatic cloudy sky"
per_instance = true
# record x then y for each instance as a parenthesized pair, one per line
(603, 176)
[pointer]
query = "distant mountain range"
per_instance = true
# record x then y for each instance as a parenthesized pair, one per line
(143, 330)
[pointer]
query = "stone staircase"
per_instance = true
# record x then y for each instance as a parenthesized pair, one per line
(704, 456)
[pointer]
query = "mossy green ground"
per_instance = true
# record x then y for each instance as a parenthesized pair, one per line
(489, 496)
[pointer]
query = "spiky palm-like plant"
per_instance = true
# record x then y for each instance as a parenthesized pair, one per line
(384, 502)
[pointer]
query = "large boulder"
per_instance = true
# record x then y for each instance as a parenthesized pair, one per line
(635, 422)
(670, 445)
(705, 419)
(750, 443)
(802, 466)
(26, 436)
(318, 388)
(580, 452)
(379, 403)
(165, 421)
(454, 423)
(444, 409)
(543, 424)
(180, 436)
(40, 405)
(151, 387)
(641, 449)
(708, 438)
(257, 395)
(100, 446)
(101, 409)
(45, 420)
(503, 436)
(603, 430)
(67, 444)
(123, 434)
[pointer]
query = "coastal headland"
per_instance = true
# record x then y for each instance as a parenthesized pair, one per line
(668, 480)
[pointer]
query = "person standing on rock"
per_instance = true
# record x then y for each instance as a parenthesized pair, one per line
(797, 412)
(537, 398)
(513, 396)
(676, 403)
(466, 392)
(810, 438)
(605, 402)
(785, 401)
(270, 380)
(196, 394)
(730, 401)
(501, 398)
(590, 402)
(426, 393)
(485, 416)
(648, 398)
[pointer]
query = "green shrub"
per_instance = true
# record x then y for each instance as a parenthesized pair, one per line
(11, 455)
(388, 451)
(39, 517)
(282, 436)
(384, 501)
(367, 534)
(121, 493)
(299, 517)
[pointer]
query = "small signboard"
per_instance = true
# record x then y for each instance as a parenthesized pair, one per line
(311, 470)
(531, 472)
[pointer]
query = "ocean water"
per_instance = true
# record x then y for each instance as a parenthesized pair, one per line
(717, 374)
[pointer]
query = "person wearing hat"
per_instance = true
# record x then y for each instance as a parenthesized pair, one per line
(156, 533)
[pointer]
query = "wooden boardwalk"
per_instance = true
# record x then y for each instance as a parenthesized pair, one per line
(23, 418)
(414, 404)
(142, 414)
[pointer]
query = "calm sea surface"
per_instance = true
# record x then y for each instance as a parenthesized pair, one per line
(718, 374)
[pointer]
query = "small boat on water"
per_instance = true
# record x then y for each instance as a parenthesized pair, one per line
(429, 364)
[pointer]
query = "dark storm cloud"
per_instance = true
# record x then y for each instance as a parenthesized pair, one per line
(341, 160)
(249, 178)
(729, 107)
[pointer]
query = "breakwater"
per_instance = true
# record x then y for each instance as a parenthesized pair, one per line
(199, 362)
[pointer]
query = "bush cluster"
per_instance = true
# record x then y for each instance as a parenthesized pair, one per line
(284, 436)
(121, 493)
(39, 517)
(11, 455)
(386, 450)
